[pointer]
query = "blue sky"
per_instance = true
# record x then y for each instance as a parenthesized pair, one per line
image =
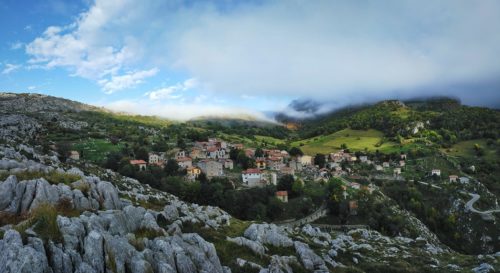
(182, 59)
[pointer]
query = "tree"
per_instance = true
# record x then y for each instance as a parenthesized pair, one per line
(171, 168)
(63, 149)
(244, 161)
(141, 153)
(297, 188)
(320, 160)
(233, 154)
(259, 152)
(285, 183)
(113, 161)
(295, 151)
(274, 208)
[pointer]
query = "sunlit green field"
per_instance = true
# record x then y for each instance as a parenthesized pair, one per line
(466, 149)
(95, 150)
(356, 140)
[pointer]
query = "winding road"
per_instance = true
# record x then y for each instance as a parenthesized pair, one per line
(469, 206)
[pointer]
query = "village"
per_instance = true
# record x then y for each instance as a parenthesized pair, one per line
(216, 158)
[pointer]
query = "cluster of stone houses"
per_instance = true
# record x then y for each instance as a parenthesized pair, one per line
(210, 157)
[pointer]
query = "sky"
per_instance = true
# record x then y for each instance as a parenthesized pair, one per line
(183, 59)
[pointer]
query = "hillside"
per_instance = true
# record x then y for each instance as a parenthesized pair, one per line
(98, 213)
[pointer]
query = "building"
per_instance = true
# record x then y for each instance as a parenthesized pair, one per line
(196, 153)
(397, 171)
(252, 177)
(211, 168)
(436, 172)
(270, 178)
(287, 170)
(379, 168)
(306, 160)
(296, 165)
(193, 173)
(74, 155)
(402, 163)
(282, 196)
(216, 153)
(237, 146)
(228, 163)
(139, 163)
(355, 185)
(453, 178)
(250, 153)
(385, 164)
(363, 158)
(185, 162)
(261, 163)
(353, 207)
(180, 154)
(464, 180)
(153, 158)
(274, 163)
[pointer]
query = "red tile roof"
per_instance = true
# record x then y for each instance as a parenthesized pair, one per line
(137, 162)
(281, 193)
(250, 171)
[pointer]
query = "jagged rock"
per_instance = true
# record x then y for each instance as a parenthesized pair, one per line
(242, 262)
(256, 247)
(268, 234)
(60, 262)
(14, 257)
(44, 193)
(94, 251)
(109, 195)
(315, 232)
(7, 191)
(309, 259)
(484, 268)
(280, 264)
(201, 252)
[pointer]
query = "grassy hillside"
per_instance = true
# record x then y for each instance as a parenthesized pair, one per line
(356, 140)
(467, 149)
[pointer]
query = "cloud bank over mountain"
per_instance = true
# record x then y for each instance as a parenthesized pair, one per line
(341, 51)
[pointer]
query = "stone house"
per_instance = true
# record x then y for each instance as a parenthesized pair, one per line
(74, 155)
(282, 196)
(211, 168)
(141, 164)
(252, 177)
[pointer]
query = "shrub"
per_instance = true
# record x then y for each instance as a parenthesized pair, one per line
(52, 177)
(43, 219)
(148, 233)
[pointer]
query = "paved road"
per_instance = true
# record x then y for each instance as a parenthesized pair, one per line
(432, 185)
(469, 206)
(320, 212)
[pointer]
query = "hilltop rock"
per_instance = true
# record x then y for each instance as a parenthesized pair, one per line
(268, 234)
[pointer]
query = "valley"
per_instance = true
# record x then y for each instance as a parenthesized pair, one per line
(392, 180)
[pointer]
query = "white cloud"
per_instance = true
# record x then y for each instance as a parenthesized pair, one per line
(169, 92)
(339, 50)
(182, 111)
(129, 80)
(31, 87)
(9, 68)
(17, 45)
